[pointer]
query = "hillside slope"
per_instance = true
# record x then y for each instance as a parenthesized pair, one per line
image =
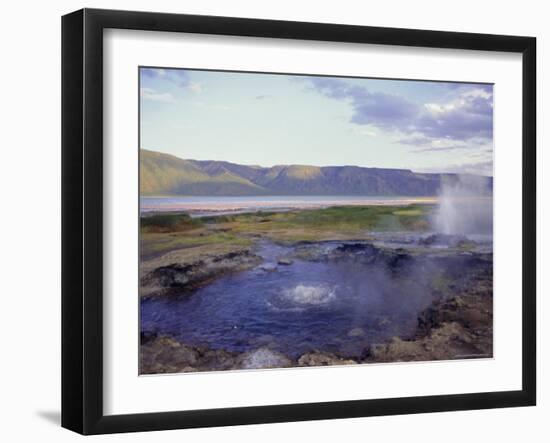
(163, 174)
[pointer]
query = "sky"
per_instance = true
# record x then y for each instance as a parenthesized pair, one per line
(273, 119)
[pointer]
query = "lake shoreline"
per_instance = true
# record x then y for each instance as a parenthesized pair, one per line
(235, 205)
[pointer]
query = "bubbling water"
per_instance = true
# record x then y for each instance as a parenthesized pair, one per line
(304, 294)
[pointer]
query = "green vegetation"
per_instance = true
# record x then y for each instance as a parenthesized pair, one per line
(362, 217)
(156, 244)
(410, 212)
(173, 222)
(161, 233)
(167, 232)
(335, 221)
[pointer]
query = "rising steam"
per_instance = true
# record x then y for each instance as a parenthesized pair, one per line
(465, 206)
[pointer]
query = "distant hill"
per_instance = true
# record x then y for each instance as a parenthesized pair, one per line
(164, 174)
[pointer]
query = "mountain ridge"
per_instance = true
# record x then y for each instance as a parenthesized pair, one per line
(166, 174)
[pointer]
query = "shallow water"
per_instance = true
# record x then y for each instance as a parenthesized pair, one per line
(337, 307)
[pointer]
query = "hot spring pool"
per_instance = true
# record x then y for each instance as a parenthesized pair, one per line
(336, 307)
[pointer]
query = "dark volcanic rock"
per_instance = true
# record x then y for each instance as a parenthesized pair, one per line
(368, 254)
(147, 336)
(364, 253)
(357, 248)
(185, 277)
(330, 250)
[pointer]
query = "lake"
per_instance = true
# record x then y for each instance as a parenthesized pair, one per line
(207, 205)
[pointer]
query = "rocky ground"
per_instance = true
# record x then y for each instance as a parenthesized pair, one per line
(457, 325)
(458, 328)
(167, 355)
(184, 270)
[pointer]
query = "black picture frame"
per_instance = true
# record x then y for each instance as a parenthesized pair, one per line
(82, 218)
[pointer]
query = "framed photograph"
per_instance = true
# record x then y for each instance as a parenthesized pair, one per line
(268, 221)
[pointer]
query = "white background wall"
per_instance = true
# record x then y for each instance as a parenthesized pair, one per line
(30, 218)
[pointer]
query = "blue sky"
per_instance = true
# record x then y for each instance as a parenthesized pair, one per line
(269, 119)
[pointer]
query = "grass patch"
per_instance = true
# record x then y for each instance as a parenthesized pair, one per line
(382, 218)
(408, 212)
(325, 224)
(159, 243)
(178, 222)
(166, 232)
(364, 217)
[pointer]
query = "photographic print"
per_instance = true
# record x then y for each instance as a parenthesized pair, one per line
(303, 221)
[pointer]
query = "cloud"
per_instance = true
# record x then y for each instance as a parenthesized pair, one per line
(383, 110)
(421, 143)
(195, 87)
(262, 97)
(488, 88)
(330, 87)
(152, 72)
(386, 111)
(369, 132)
(468, 116)
(179, 77)
(479, 168)
(151, 94)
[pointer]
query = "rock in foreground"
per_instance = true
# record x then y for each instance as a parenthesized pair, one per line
(187, 269)
(263, 358)
(323, 359)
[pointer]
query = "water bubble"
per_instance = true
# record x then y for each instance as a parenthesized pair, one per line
(304, 294)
